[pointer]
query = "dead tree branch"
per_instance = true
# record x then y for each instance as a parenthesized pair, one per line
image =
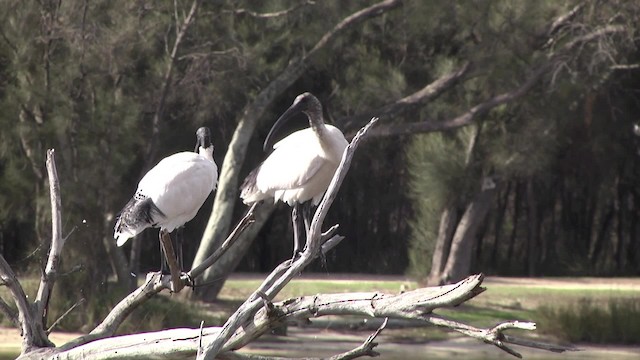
(32, 335)
(31, 319)
(9, 313)
(48, 278)
(271, 15)
(417, 305)
(154, 283)
(410, 102)
(181, 30)
(481, 109)
(282, 275)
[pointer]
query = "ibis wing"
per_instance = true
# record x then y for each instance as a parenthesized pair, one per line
(288, 168)
(179, 184)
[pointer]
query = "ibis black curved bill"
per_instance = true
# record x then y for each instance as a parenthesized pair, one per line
(306, 103)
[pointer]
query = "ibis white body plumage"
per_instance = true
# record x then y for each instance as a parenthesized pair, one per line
(301, 166)
(171, 193)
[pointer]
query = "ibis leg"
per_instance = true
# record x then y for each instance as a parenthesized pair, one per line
(296, 229)
(164, 267)
(179, 238)
(306, 215)
(176, 282)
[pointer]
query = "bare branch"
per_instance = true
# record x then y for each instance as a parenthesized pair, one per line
(353, 19)
(155, 127)
(55, 323)
(366, 349)
(167, 249)
(625, 67)
(410, 102)
(272, 14)
(32, 335)
(48, 278)
(562, 20)
(416, 305)
(242, 225)
(430, 125)
(153, 284)
(495, 335)
(275, 282)
(9, 313)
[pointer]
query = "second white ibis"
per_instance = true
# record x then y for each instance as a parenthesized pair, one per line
(171, 193)
(301, 166)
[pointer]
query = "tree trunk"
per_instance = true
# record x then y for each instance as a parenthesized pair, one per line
(225, 265)
(227, 192)
(534, 230)
(459, 261)
(498, 224)
(448, 221)
(514, 229)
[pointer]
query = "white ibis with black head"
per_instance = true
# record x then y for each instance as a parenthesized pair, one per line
(171, 193)
(301, 166)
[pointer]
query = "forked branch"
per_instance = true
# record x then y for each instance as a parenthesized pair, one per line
(155, 283)
(417, 305)
(286, 271)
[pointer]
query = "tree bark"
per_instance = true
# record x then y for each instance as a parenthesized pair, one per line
(534, 230)
(448, 221)
(209, 291)
(498, 224)
(459, 262)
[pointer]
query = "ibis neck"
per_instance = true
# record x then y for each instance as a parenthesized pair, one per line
(317, 124)
(206, 152)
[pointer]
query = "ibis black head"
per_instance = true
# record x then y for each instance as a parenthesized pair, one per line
(305, 103)
(203, 135)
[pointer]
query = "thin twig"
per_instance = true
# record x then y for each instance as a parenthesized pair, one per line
(181, 30)
(242, 225)
(55, 323)
(271, 14)
(366, 349)
(200, 339)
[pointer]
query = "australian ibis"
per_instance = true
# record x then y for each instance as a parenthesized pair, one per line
(171, 193)
(301, 166)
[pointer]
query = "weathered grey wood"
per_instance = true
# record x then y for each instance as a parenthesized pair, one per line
(48, 277)
(417, 305)
(153, 284)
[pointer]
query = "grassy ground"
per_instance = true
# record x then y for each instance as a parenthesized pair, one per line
(505, 299)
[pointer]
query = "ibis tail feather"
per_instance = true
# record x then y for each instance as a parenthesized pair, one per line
(139, 214)
(249, 192)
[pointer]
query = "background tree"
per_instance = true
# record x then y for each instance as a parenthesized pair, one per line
(104, 82)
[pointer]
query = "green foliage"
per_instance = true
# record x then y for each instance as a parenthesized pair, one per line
(160, 312)
(439, 178)
(612, 321)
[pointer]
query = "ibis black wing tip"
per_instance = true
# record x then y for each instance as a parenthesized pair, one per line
(249, 188)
